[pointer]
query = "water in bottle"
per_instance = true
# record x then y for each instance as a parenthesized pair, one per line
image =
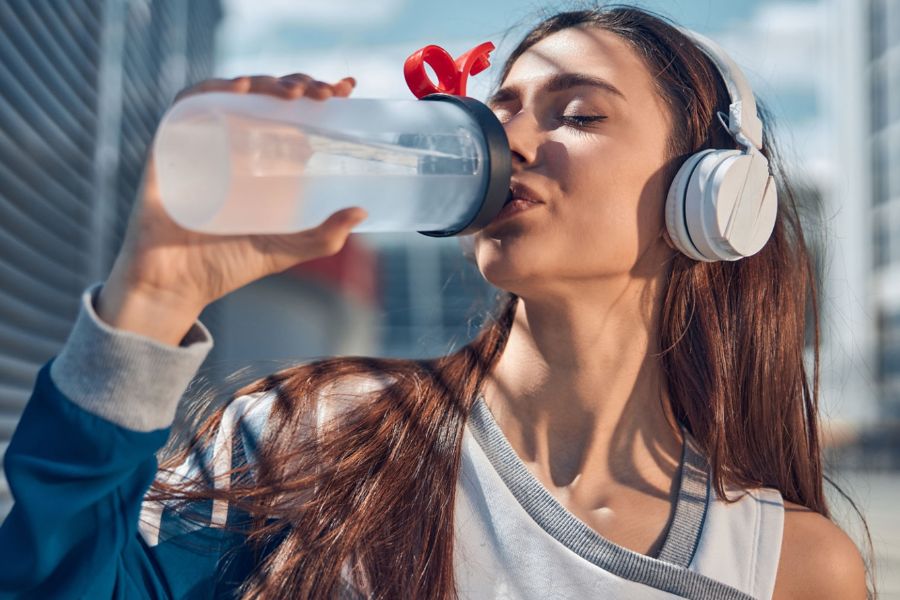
(231, 163)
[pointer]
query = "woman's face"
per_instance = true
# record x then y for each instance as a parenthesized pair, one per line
(601, 179)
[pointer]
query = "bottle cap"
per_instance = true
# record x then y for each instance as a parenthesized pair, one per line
(452, 74)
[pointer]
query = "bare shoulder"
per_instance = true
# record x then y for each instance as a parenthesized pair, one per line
(818, 559)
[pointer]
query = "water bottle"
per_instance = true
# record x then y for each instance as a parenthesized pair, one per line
(230, 163)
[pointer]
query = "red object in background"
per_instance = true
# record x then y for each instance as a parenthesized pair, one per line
(452, 75)
(352, 271)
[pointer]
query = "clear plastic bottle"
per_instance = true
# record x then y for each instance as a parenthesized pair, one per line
(231, 163)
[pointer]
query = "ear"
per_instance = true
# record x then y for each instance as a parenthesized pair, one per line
(664, 234)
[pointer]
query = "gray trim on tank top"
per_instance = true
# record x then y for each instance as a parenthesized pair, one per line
(668, 571)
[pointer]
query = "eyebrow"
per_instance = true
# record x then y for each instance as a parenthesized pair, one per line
(557, 83)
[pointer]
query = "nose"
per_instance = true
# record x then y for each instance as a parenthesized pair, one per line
(521, 131)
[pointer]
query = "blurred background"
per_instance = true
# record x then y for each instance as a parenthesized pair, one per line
(83, 84)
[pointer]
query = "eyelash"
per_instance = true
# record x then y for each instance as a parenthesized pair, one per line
(581, 120)
(574, 121)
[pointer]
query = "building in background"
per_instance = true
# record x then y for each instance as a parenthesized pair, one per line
(433, 300)
(882, 66)
(82, 85)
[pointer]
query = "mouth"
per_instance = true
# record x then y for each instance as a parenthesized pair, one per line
(518, 191)
(519, 199)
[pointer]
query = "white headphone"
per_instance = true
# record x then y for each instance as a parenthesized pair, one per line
(722, 204)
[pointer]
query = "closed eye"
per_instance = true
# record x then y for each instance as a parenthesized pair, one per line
(581, 120)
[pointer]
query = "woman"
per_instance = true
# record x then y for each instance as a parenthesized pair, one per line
(633, 424)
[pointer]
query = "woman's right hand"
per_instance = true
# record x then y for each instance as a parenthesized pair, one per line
(165, 275)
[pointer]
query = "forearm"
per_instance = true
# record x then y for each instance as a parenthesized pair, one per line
(83, 455)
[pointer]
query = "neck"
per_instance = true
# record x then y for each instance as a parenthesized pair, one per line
(578, 387)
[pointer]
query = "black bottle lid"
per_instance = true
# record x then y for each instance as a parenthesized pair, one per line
(498, 165)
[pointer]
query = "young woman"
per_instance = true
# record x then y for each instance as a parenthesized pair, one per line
(635, 422)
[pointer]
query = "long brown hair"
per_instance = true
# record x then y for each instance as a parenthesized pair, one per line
(367, 501)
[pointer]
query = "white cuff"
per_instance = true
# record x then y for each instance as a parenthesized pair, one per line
(126, 378)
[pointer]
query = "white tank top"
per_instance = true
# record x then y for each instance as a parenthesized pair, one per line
(515, 540)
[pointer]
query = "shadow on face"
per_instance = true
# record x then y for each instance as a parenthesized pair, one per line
(589, 135)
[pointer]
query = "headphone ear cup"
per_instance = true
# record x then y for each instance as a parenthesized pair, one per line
(702, 204)
(730, 206)
(746, 205)
(676, 218)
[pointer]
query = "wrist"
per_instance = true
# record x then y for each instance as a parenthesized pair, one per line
(156, 314)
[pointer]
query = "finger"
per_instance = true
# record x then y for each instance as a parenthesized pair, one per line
(288, 86)
(319, 90)
(267, 84)
(326, 239)
(241, 83)
(296, 83)
(296, 78)
(343, 87)
(329, 236)
(338, 222)
(207, 85)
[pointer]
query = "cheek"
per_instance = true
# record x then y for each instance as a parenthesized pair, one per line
(607, 213)
(615, 206)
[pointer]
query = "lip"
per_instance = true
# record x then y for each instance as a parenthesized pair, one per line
(520, 191)
(521, 198)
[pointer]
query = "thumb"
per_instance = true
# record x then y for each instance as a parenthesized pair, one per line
(346, 218)
(327, 239)
(332, 233)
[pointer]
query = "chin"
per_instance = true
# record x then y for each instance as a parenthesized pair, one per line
(505, 268)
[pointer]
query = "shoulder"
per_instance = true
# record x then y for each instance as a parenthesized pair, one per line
(818, 559)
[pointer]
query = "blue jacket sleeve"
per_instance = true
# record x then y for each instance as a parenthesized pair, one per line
(78, 480)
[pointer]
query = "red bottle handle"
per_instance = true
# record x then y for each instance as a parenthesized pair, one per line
(452, 75)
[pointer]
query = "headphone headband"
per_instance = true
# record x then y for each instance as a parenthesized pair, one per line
(743, 121)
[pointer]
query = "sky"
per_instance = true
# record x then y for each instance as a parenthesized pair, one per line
(316, 25)
(778, 43)
(369, 40)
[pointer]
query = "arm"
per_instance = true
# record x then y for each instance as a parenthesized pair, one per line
(83, 456)
(83, 453)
